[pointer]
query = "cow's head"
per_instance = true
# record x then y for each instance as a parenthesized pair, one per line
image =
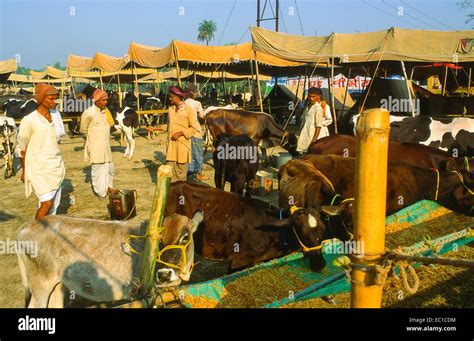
(290, 142)
(462, 188)
(311, 229)
(176, 256)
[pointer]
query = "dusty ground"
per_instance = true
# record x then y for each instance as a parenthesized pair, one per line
(440, 287)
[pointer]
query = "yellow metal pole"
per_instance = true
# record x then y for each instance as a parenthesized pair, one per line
(153, 232)
(372, 134)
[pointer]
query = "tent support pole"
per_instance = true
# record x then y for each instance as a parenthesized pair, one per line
(101, 82)
(178, 74)
(61, 99)
(345, 92)
(331, 92)
(258, 82)
(119, 90)
(223, 83)
(469, 83)
(135, 83)
(445, 80)
(409, 89)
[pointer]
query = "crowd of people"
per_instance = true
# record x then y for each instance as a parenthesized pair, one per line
(43, 168)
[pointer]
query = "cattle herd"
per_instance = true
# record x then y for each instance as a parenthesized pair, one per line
(429, 158)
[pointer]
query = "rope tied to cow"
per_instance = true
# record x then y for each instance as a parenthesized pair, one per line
(437, 182)
(470, 191)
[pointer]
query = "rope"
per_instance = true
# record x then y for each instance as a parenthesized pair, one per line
(471, 192)
(437, 182)
(410, 289)
(375, 74)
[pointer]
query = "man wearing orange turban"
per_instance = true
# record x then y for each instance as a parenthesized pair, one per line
(43, 167)
(96, 122)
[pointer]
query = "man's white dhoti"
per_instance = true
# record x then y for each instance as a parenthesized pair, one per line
(102, 175)
(53, 195)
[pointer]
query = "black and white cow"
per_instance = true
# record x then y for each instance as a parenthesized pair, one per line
(17, 109)
(455, 135)
(126, 120)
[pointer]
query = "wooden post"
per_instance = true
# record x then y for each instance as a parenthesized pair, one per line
(409, 89)
(61, 99)
(372, 133)
(345, 92)
(101, 82)
(331, 94)
(136, 90)
(445, 80)
(469, 83)
(119, 89)
(153, 232)
(258, 82)
(178, 74)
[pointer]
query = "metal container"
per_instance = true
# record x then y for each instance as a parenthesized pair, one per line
(280, 159)
(122, 206)
(263, 183)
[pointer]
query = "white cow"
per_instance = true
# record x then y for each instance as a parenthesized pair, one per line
(88, 258)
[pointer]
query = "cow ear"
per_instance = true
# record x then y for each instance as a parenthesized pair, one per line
(274, 226)
(197, 219)
(448, 165)
(333, 210)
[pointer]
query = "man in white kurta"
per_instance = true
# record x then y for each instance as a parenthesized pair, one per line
(96, 122)
(43, 167)
(316, 117)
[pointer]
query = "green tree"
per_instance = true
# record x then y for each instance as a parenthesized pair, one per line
(58, 65)
(206, 31)
(23, 70)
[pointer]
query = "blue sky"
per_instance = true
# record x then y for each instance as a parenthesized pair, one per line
(44, 31)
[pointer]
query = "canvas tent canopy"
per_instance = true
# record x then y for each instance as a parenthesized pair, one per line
(396, 44)
(7, 67)
(16, 78)
(48, 72)
(232, 58)
(100, 61)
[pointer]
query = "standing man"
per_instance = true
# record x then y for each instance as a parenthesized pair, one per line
(182, 125)
(197, 152)
(316, 117)
(41, 162)
(96, 122)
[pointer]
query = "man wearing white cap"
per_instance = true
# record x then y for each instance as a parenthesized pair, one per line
(96, 122)
(43, 167)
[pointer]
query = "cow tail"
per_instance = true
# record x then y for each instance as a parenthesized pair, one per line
(24, 280)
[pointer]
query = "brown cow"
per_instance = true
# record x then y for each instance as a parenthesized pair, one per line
(411, 153)
(405, 184)
(244, 230)
(259, 126)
